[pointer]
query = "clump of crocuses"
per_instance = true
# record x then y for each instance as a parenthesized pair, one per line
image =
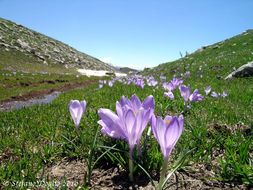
(128, 123)
(131, 118)
(171, 86)
(77, 109)
(188, 96)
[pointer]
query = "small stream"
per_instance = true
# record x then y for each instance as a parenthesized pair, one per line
(13, 105)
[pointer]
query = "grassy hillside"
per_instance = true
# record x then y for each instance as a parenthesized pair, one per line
(21, 46)
(211, 62)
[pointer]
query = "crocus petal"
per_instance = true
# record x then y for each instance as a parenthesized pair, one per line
(146, 117)
(161, 128)
(174, 130)
(110, 123)
(119, 110)
(136, 103)
(123, 100)
(208, 90)
(130, 125)
(149, 103)
(185, 92)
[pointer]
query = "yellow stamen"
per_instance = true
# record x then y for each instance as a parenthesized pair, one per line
(168, 122)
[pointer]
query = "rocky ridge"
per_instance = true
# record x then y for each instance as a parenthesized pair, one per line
(47, 50)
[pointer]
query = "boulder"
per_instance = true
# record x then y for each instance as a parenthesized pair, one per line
(243, 71)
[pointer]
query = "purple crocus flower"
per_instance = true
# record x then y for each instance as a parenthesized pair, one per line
(214, 94)
(173, 84)
(140, 83)
(176, 82)
(196, 96)
(110, 83)
(101, 84)
(130, 121)
(152, 82)
(169, 95)
(208, 90)
(77, 109)
(167, 132)
(186, 94)
(187, 74)
(167, 86)
(224, 94)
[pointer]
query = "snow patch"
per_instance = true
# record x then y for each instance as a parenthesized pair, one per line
(98, 73)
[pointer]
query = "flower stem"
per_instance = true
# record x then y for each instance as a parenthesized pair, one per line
(130, 165)
(163, 174)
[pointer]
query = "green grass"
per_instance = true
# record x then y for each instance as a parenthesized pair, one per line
(36, 137)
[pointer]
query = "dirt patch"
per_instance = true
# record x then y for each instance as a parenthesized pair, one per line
(73, 172)
(8, 155)
(229, 129)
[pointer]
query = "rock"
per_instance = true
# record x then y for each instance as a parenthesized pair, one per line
(52, 42)
(56, 50)
(23, 44)
(201, 49)
(5, 45)
(39, 56)
(216, 47)
(244, 71)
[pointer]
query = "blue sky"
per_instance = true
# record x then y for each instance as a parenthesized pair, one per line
(134, 33)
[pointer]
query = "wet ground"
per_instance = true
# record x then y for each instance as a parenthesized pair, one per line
(39, 97)
(11, 105)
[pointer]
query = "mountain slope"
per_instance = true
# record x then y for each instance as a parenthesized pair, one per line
(22, 48)
(213, 61)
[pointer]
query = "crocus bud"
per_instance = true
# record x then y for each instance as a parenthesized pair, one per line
(77, 109)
